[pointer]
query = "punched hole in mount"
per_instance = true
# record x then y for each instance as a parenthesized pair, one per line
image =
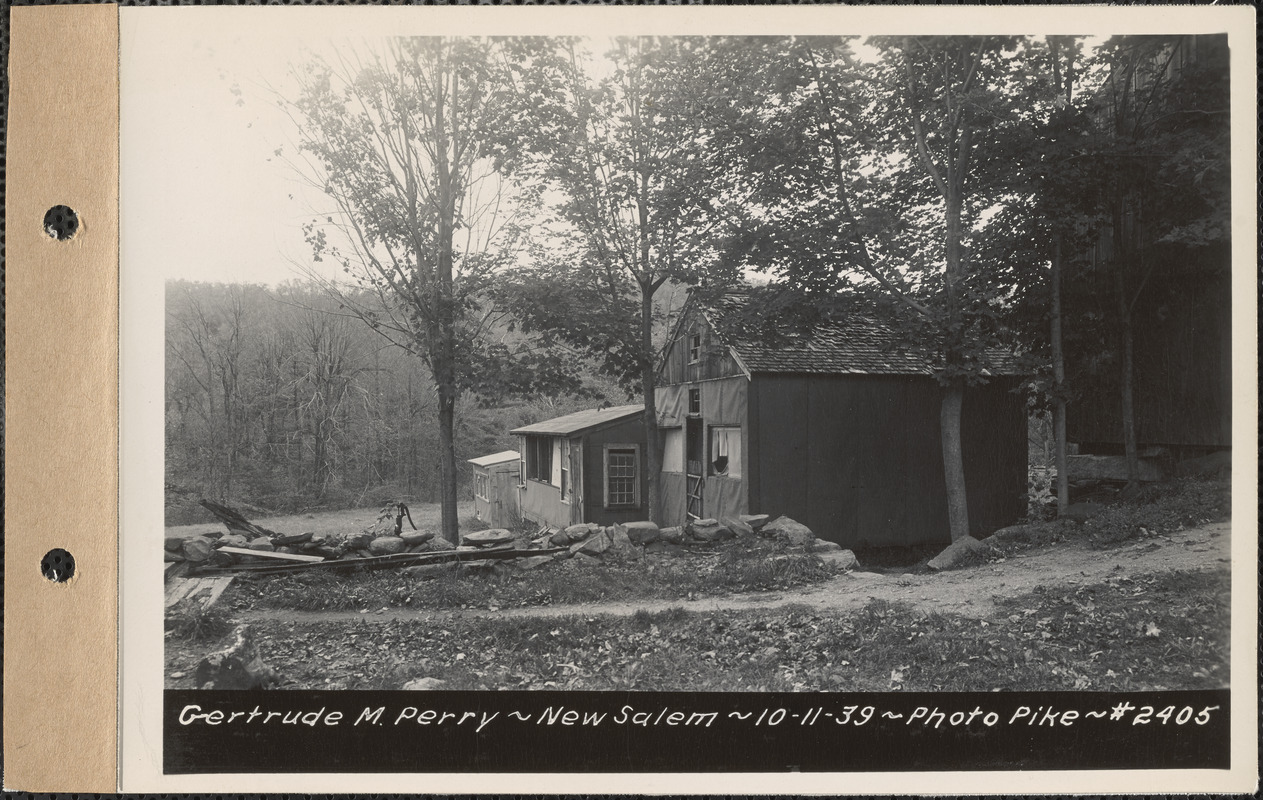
(61, 222)
(57, 565)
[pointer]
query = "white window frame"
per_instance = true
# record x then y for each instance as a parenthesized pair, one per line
(636, 468)
(482, 481)
(545, 445)
(566, 486)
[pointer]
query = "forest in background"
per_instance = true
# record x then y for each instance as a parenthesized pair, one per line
(277, 401)
(1052, 197)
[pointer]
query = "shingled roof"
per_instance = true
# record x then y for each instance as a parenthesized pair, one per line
(854, 345)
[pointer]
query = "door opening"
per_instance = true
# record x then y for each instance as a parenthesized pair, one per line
(695, 466)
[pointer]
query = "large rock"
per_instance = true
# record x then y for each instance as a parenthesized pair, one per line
(170, 557)
(790, 532)
(621, 546)
(738, 526)
(173, 544)
(672, 535)
(198, 549)
(709, 530)
(594, 545)
(438, 543)
(238, 666)
(414, 538)
(387, 546)
(489, 537)
(577, 533)
(960, 553)
(756, 521)
(642, 532)
(559, 538)
(842, 559)
(263, 544)
(232, 540)
(359, 540)
(822, 546)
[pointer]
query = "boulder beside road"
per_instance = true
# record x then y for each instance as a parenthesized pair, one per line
(387, 546)
(960, 553)
(789, 531)
(642, 532)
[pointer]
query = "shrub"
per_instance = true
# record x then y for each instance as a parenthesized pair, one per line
(189, 620)
(1173, 507)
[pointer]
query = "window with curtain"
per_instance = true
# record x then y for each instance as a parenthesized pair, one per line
(539, 458)
(725, 451)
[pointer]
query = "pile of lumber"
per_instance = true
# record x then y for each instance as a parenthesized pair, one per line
(248, 547)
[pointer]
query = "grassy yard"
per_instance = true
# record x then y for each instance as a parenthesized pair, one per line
(1163, 631)
(424, 515)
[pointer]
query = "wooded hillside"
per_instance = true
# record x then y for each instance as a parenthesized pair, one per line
(274, 400)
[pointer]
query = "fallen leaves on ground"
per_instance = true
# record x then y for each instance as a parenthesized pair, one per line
(1093, 637)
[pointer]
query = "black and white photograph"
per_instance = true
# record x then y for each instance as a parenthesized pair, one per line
(852, 377)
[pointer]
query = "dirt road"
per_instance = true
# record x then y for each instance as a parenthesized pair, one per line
(968, 592)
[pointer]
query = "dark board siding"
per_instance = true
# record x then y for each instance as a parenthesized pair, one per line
(858, 459)
(1183, 365)
(594, 510)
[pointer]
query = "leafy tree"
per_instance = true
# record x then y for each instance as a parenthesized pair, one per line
(872, 179)
(401, 140)
(621, 156)
(1160, 180)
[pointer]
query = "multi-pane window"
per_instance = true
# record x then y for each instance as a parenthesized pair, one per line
(695, 348)
(622, 487)
(539, 458)
(695, 401)
(480, 484)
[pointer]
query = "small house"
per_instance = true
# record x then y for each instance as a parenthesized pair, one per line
(835, 427)
(496, 478)
(584, 467)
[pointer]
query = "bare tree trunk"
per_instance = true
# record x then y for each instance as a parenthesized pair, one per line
(1130, 448)
(1059, 380)
(1123, 254)
(954, 394)
(444, 334)
(953, 462)
(648, 380)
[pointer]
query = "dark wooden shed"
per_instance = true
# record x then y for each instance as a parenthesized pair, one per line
(836, 428)
(584, 467)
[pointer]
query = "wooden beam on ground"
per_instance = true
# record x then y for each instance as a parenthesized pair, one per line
(379, 562)
(202, 590)
(242, 551)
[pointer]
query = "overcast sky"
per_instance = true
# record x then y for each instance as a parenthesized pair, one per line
(204, 195)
